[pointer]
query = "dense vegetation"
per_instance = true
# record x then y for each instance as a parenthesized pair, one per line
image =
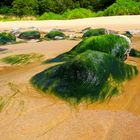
(68, 9)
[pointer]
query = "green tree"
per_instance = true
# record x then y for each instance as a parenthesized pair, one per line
(25, 7)
(6, 2)
(56, 6)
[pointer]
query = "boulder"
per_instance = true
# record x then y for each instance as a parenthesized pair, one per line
(90, 76)
(27, 35)
(114, 45)
(6, 38)
(54, 35)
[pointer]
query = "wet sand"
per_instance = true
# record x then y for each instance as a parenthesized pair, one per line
(28, 114)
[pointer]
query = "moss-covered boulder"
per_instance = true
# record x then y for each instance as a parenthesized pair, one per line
(27, 35)
(55, 35)
(93, 76)
(134, 53)
(6, 38)
(128, 34)
(114, 45)
(95, 32)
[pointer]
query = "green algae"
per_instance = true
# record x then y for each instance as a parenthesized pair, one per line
(27, 35)
(114, 45)
(91, 75)
(6, 38)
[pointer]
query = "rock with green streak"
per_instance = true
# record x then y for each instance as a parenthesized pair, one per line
(53, 34)
(91, 76)
(30, 35)
(134, 53)
(114, 45)
(95, 32)
(6, 38)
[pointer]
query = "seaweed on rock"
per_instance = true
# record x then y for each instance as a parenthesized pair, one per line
(54, 34)
(6, 38)
(91, 76)
(95, 32)
(114, 45)
(27, 35)
(134, 53)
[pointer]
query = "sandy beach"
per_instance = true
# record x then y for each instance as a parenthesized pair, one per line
(28, 114)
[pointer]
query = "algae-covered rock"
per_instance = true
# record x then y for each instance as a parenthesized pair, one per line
(134, 53)
(55, 35)
(27, 35)
(95, 32)
(128, 34)
(114, 45)
(6, 38)
(93, 76)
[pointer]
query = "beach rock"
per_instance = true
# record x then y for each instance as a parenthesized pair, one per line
(95, 32)
(72, 37)
(128, 34)
(6, 38)
(85, 30)
(29, 35)
(55, 35)
(114, 45)
(15, 31)
(90, 76)
(58, 38)
(134, 53)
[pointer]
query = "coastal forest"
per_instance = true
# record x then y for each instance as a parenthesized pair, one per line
(67, 9)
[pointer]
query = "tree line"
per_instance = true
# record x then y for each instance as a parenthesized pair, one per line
(38, 7)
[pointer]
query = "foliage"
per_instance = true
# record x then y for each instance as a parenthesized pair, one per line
(7, 38)
(53, 34)
(30, 35)
(69, 9)
(77, 13)
(69, 14)
(5, 10)
(50, 16)
(25, 7)
(121, 7)
(93, 76)
(22, 59)
(56, 6)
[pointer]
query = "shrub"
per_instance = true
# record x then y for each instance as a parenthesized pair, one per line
(121, 7)
(25, 7)
(77, 13)
(53, 34)
(50, 16)
(30, 35)
(7, 38)
(6, 10)
(69, 14)
(93, 76)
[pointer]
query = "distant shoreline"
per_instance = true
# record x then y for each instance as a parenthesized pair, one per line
(112, 22)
